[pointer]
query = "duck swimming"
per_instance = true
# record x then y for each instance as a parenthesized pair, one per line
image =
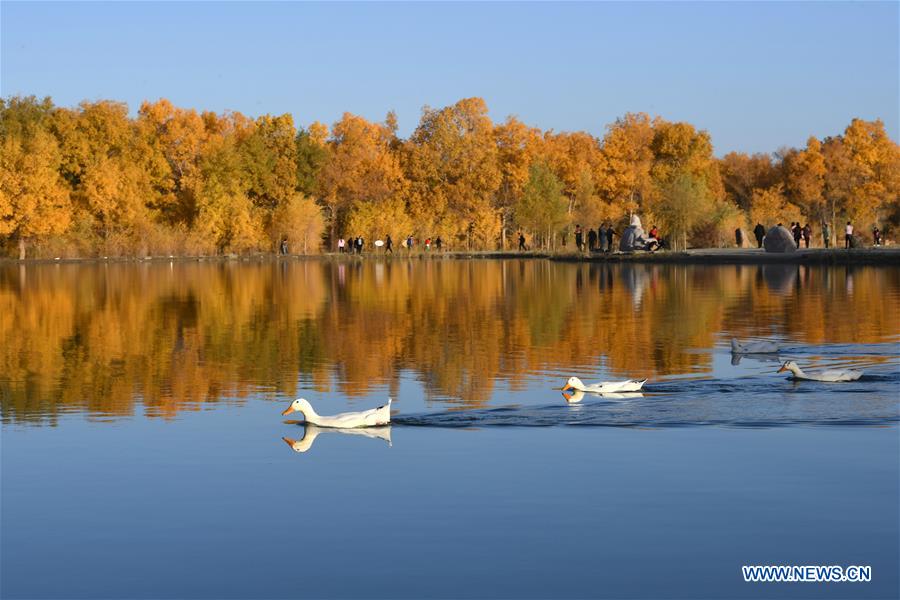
(605, 387)
(830, 375)
(348, 420)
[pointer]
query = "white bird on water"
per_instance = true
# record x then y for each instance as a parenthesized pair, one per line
(830, 375)
(753, 347)
(348, 420)
(605, 387)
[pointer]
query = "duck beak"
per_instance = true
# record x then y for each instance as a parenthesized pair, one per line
(287, 411)
(289, 442)
(783, 368)
(566, 388)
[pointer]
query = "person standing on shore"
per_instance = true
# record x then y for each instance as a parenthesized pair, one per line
(388, 244)
(603, 237)
(438, 243)
(341, 243)
(797, 231)
(807, 233)
(522, 247)
(826, 234)
(739, 237)
(848, 235)
(579, 238)
(876, 235)
(409, 243)
(610, 234)
(760, 232)
(592, 240)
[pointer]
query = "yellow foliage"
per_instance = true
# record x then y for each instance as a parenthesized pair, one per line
(300, 221)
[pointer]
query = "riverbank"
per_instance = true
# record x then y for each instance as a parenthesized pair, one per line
(703, 256)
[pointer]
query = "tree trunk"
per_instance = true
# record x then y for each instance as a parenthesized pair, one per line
(21, 247)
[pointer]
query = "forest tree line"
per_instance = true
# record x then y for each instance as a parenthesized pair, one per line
(93, 180)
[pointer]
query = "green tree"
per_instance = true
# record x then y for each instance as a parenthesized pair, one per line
(684, 202)
(543, 208)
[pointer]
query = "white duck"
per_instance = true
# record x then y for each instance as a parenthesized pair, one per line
(311, 432)
(348, 420)
(605, 387)
(753, 347)
(831, 375)
(578, 396)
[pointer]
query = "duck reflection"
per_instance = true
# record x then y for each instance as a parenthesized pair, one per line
(577, 396)
(311, 432)
(766, 357)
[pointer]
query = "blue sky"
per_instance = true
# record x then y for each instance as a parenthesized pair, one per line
(757, 76)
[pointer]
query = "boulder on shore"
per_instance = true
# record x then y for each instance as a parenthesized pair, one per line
(779, 239)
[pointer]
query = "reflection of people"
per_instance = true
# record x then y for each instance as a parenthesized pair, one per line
(760, 232)
(848, 235)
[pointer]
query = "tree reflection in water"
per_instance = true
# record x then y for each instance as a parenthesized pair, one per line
(105, 339)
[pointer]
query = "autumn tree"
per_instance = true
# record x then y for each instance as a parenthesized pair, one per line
(805, 179)
(742, 173)
(873, 171)
(226, 216)
(451, 162)
(518, 146)
(179, 136)
(113, 173)
(360, 169)
(299, 220)
(627, 159)
(34, 200)
(770, 206)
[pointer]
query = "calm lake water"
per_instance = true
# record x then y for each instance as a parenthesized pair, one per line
(143, 451)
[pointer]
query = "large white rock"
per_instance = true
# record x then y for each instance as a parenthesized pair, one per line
(779, 239)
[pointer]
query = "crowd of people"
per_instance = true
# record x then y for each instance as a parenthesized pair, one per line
(598, 240)
(803, 235)
(602, 238)
(356, 245)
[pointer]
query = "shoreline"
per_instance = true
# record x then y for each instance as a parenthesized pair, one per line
(697, 256)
